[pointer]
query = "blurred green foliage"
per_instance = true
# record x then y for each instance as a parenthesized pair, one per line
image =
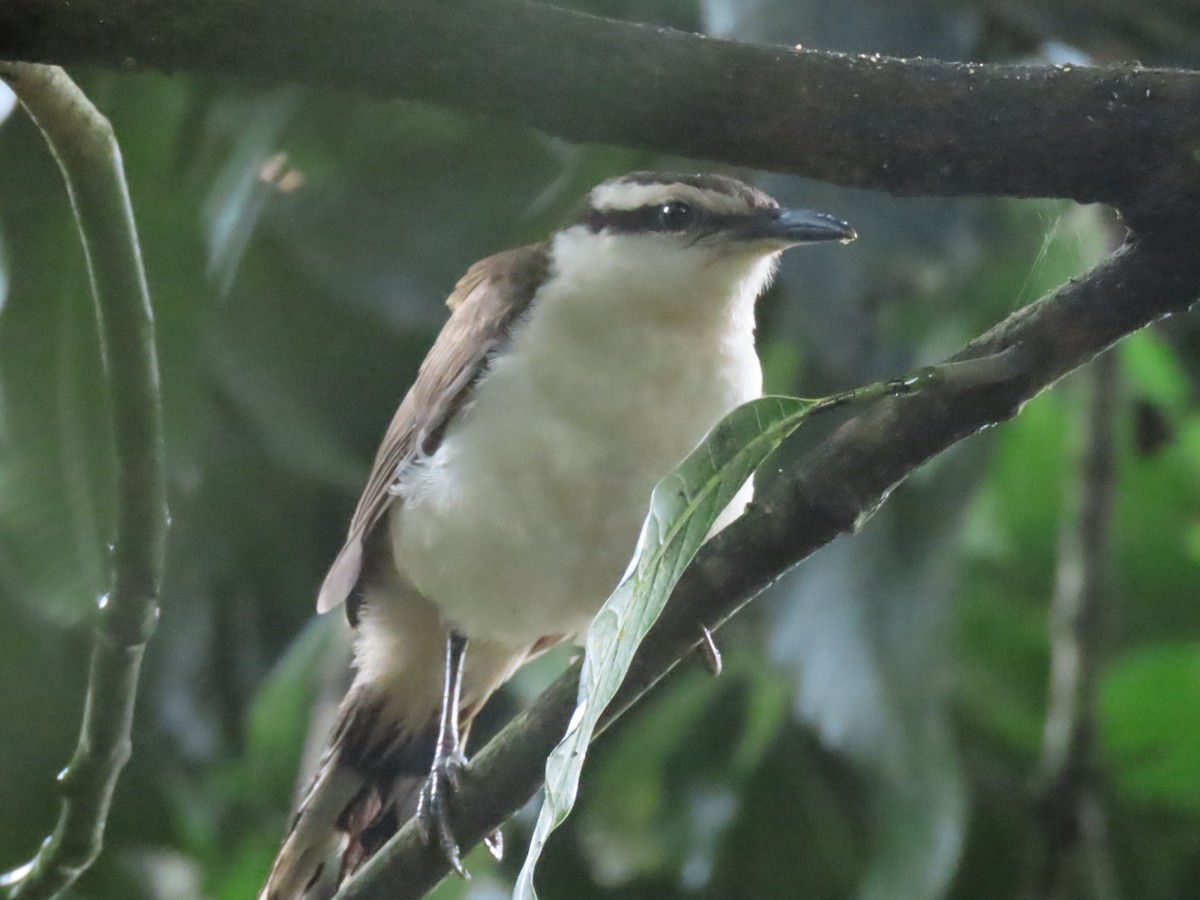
(877, 732)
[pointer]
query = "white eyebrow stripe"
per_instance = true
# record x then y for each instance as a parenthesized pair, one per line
(629, 195)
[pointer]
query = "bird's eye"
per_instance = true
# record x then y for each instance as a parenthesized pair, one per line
(675, 215)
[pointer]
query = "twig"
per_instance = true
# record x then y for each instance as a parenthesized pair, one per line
(833, 490)
(1075, 847)
(907, 126)
(82, 141)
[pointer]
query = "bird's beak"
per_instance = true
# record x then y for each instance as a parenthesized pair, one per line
(789, 227)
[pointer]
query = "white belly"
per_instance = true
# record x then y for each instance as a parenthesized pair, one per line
(525, 518)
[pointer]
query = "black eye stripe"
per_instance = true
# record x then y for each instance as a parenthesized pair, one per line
(650, 218)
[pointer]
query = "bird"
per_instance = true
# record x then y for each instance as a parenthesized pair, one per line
(508, 493)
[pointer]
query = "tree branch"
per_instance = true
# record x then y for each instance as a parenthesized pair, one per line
(906, 126)
(1075, 846)
(82, 141)
(834, 489)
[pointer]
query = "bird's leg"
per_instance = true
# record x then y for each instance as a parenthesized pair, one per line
(433, 807)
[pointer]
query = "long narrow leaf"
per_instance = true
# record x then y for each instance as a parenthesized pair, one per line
(683, 508)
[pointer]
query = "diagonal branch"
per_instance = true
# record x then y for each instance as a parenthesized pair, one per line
(906, 126)
(834, 489)
(82, 141)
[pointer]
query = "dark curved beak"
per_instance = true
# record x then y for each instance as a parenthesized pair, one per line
(796, 226)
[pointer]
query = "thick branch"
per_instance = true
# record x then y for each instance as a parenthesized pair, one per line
(906, 126)
(834, 489)
(81, 139)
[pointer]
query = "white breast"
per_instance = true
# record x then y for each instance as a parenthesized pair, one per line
(525, 518)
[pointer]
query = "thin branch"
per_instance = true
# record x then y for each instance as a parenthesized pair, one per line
(82, 141)
(1075, 851)
(834, 489)
(906, 126)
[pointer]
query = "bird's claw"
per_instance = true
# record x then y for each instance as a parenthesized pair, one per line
(433, 807)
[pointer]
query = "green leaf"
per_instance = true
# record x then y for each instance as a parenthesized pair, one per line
(1154, 369)
(56, 460)
(1151, 732)
(683, 508)
(279, 719)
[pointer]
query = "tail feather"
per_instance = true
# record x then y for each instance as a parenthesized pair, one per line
(366, 786)
(311, 853)
(381, 752)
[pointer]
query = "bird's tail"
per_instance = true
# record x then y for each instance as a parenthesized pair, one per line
(367, 784)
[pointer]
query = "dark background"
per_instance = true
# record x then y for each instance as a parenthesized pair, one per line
(878, 730)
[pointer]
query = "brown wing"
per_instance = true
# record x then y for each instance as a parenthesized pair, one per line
(485, 304)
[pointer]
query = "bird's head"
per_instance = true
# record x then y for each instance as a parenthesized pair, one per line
(685, 236)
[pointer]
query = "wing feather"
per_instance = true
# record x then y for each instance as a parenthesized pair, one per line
(485, 304)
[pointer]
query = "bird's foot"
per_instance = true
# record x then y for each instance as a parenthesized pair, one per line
(433, 807)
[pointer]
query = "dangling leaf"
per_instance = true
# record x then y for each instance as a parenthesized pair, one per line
(683, 509)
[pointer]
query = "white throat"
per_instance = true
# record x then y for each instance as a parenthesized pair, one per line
(644, 276)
